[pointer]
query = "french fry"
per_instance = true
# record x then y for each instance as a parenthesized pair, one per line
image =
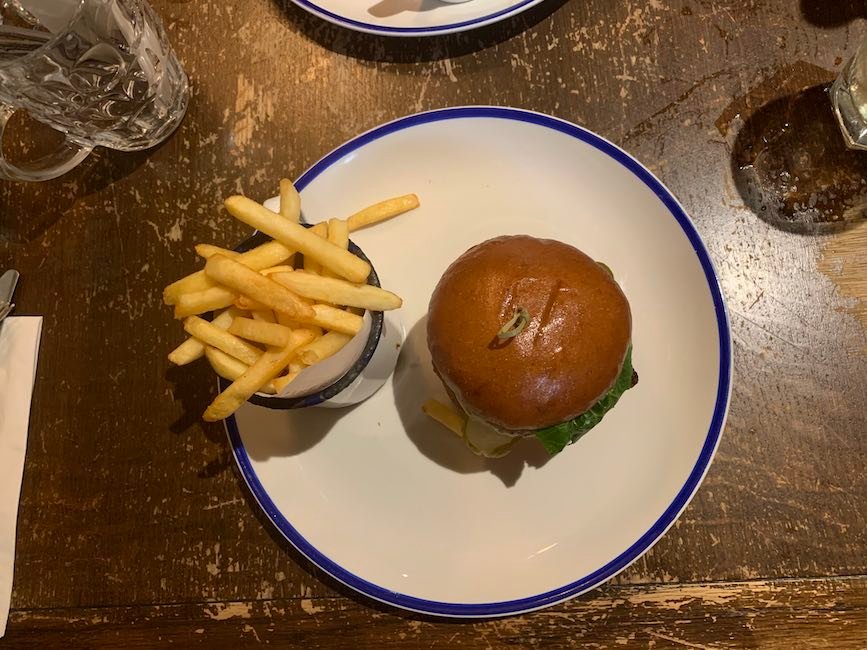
(445, 415)
(269, 365)
(209, 250)
(325, 346)
(187, 352)
(230, 368)
(292, 324)
(190, 304)
(283, 380)
(192, 283)
(336, 320)
(382, 211)
(296, 236)
(256, 286)
(320, 229)
(248, 304)
(229, 343)
(290, 201)
(192, 348)
(286, 321)
(338, 232)
(296, 367)
(311, 265)
(264, 315)
(268, 254)
(259, 332)
(312, 330)
(280, 319)
(338, 292)
(283, 268)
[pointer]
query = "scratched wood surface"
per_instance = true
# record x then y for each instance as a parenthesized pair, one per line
(134, 527)
(768, 614)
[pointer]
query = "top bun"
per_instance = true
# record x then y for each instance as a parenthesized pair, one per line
(565, 359)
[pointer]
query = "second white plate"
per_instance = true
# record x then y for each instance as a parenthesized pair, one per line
(413, 17)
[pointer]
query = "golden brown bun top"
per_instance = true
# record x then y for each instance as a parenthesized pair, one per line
(561, 364)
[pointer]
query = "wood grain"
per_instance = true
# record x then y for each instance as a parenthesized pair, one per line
(844, 260)
(762, 614)
(130, 506)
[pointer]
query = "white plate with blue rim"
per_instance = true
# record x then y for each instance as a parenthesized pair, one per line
(414, 17)
(392, 505)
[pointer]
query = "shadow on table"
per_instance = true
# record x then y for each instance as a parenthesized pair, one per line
(279, 433)
(193, 388)
(832, 14)
(46, 202)
(789, 160)
(414, 383)
(389, 49)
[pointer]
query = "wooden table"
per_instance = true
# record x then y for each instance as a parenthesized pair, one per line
(135, 528)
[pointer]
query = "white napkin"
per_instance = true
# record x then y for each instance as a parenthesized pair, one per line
(19, 349)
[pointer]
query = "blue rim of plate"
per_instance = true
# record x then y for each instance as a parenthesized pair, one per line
(385, 30)
(668, 517)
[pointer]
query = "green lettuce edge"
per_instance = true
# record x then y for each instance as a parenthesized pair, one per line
(558, 437)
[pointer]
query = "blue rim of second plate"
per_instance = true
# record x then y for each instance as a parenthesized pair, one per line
(668, 517)
(385, 30)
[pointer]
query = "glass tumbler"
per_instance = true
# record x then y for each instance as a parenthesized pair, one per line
(849, 98)
(101, 72)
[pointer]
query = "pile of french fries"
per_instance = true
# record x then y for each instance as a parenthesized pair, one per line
(274, 318)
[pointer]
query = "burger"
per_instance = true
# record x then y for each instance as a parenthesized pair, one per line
(531, 338)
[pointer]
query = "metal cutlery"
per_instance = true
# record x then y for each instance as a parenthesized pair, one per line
(8, 281)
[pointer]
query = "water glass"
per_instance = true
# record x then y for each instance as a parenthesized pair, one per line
(102, 72)
(849, 98)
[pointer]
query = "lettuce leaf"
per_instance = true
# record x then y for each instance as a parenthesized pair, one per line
(556, 438)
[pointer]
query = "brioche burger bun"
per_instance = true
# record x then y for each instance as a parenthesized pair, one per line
(531, 338)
